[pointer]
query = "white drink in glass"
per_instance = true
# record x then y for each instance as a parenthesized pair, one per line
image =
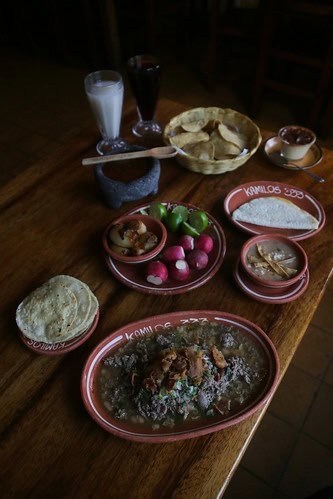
(106, 100)
(105, 92)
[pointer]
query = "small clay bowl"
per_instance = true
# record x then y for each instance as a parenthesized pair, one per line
(271, 238)
(152, 224)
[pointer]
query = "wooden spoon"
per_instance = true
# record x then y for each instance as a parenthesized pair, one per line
(156, 152)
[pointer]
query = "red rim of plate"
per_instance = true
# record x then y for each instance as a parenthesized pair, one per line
(115, 266)
(59, 348)
(273, 296)
(287, 191)
(116, 338)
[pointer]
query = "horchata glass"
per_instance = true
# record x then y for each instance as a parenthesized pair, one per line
(105, 92)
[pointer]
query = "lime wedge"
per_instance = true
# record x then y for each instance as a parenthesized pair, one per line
(183, 212)
(199, 220)
(157, 210)
(173, 221)
(189, 230)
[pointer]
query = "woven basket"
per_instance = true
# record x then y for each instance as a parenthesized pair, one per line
(242, 123)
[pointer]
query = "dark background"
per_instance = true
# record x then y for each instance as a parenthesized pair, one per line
(92, 34)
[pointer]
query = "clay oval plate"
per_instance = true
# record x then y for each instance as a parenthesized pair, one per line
(133, 275)
(62, 347)
(261, 188)
(161, 324)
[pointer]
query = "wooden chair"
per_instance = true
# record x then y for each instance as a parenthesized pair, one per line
(296, 35)
(199, 21)
(226, 26)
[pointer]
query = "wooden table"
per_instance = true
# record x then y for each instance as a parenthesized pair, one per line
(51, 222)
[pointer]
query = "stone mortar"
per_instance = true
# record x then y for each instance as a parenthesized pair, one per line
(115, 193)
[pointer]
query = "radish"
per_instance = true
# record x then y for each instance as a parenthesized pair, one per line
(179, 270)
(204, 243)
(187, 242)
(173, 253)
(197, 259)
(156, 273)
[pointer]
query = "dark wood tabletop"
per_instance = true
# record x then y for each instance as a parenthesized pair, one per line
(52, 218)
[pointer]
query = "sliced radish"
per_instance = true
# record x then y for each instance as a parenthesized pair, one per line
(173, 253)
(187, 242)
(197, 259)
(179, 270)
(156, 273)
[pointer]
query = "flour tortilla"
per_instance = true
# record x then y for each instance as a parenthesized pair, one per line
(275, 212)
(61, 309)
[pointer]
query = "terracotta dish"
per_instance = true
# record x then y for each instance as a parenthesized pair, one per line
(144, 433)
(133, 276)
(153, 225)
(264, 294)
(260, 189)
(59, 348)
(294, 254)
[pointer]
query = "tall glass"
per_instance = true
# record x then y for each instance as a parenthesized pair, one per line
(144, 74)
(105, 92)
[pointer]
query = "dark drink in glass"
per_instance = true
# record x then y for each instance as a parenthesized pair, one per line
(144, 74)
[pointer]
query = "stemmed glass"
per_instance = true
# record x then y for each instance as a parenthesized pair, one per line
(144, 74)
(105, 92)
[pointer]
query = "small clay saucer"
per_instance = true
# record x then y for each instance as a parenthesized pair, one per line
(272, 149)
(269, 295)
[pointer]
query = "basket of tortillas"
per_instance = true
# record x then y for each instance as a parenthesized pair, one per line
(212, 140)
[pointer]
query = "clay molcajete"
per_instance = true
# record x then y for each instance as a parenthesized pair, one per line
(115, 192)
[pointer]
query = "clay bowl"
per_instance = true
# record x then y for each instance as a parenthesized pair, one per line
(274, 238)
(152, 224)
